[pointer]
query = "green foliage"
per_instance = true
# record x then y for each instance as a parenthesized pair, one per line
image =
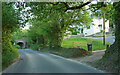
(52, 24)
(37, 36)
(19, 34)
(10, 23)
(111, 23)
(110, 60)
(75, 32)
(10, 17)
(9, 53)
(108, 10)
(36, 46)
(17, 46)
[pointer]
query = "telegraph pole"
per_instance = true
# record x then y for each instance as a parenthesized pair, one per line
(104, 29)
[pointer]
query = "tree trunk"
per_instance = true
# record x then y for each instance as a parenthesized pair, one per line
(110, 59)
(59, 39)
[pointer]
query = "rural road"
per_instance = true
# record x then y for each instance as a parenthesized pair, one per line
(42, 62)
(110, 39)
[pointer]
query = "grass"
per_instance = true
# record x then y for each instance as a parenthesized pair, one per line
(67, 52)
(67, 49)
(82, 42)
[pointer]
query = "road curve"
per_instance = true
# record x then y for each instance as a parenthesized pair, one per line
(42, 62)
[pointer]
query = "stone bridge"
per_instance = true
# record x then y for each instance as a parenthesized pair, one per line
(21, 43)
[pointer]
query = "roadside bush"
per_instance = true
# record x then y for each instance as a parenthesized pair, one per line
(75, 32)
(68, 52)
(9, 53)
(36, 46)
(17, 46)
(10, 23)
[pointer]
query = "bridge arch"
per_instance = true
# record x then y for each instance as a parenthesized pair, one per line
(21, 43)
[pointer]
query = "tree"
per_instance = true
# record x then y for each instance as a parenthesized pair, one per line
(110, 59)
(11, 20)
(36, 36)
(105, 13)
(56, 22)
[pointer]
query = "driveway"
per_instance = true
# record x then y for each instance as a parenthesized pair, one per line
(42, 62)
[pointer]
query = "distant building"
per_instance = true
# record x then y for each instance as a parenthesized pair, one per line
(96, 28)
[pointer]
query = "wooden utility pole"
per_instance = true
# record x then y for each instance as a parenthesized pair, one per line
(104, 29)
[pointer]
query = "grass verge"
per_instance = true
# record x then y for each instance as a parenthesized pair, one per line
(82, 42)
(67, 52)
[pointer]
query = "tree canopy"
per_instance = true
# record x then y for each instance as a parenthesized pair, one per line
(54, 23)
(51, 21)
(11, 21)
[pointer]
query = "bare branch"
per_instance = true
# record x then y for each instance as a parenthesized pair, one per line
(79, 7)
(96, 8)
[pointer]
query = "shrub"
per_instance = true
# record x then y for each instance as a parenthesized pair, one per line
(9, 53)
(36, 46)
(75, 32)
(17, 46)
(68, 52)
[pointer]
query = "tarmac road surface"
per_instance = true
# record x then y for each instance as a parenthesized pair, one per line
(42, 62)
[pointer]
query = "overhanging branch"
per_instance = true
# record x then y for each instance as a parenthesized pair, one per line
(96, 8)
(67, 7)
(54, 3)
(76, 7)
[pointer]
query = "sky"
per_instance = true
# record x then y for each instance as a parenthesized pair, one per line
(27, 26)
